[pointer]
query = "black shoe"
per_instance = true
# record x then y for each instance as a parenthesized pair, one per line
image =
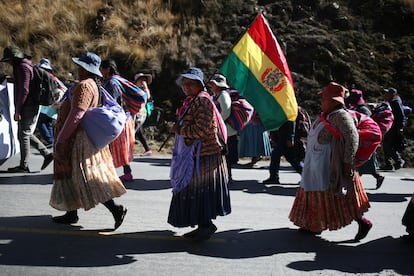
(119, 216)
(363, 229)
(399, 165)
(191, 234)
(255, 160)
(309, 232)
(47, 161)
(68, 218)
(380, 179)
(387, 168)
(18, 169)
(271, 180)
(204, 233)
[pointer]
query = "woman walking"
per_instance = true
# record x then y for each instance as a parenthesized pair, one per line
(122, 148)
(331, 194)
(198, 169)
(84, 176)
(254, 141)
(142, 81)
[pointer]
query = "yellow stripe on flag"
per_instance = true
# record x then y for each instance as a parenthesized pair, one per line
(267, 74)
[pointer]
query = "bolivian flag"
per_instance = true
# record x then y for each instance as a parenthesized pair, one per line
(257, 68)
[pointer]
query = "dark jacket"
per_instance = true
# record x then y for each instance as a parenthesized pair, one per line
(23, 85)
(398, 111)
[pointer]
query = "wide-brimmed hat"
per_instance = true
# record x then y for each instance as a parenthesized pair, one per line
(391, 90)
(45, 64)
(333, 91)
(356, 97)
(219, 80)
(142, 75)
(192, 73)
(12, 52)
(90, 62)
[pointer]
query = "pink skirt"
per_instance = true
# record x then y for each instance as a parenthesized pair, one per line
(122, 148)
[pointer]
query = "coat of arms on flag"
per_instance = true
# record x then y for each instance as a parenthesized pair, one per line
(258, 68)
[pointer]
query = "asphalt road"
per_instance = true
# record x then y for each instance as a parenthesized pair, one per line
(257, 238)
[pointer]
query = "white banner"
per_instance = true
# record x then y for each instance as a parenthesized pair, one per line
(9, 143)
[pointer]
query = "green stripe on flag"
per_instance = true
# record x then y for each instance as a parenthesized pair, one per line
(241, 78)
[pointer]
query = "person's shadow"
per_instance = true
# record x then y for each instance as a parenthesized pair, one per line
(37, 241)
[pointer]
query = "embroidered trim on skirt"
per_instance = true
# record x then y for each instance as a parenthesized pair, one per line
(94, 179)
(122, 148)
(321, 210)
(205, 198)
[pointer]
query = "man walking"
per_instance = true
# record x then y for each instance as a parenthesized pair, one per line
(26, 107)
(393, 140)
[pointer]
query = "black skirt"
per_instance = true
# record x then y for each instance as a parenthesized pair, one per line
(206, 197)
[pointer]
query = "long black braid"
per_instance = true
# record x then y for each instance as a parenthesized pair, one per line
(98, 82)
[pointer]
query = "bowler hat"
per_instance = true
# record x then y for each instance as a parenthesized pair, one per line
(333, 91)
(356, 97)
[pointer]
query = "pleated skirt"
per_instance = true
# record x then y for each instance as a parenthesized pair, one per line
(122, 148)
(322, 210)
(206, 197)
(254, 141)
(93, 178)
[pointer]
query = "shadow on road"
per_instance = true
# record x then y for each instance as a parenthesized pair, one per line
(37, 241)
(148, 185)
(253, 187)
(247, 186)
(41, 179)
(383, 197)
(161, 162)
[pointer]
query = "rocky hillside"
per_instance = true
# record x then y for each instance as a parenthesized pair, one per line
(363, 44)
(366, 44)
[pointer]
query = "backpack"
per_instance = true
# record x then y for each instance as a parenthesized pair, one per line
(241, 111)
(45, 86)
(407, 110)
(133, 97)
(383, 116)
(303, 123)
(370, 135)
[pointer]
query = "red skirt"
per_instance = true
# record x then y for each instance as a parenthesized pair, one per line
(122, 148)
(321, 210)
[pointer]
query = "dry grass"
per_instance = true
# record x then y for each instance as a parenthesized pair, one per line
(132, 31)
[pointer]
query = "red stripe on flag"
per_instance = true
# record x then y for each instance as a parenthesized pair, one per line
(263, 36)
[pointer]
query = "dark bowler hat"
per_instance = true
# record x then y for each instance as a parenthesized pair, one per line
(356, 97)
